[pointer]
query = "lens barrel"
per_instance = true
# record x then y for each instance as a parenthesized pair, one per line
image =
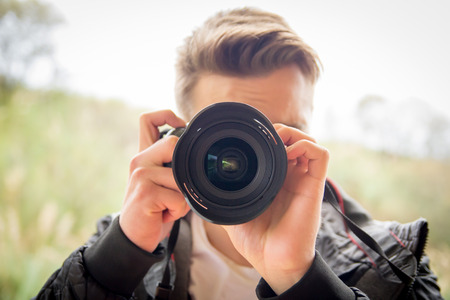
(229, 163)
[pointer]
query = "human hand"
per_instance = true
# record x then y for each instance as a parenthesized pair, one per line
(280, 244)
(152, 201)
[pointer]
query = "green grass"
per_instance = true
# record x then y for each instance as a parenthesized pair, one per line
(394, 187)
(64, 163)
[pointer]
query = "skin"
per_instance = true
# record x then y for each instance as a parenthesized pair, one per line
(280, 243)
(284, 96)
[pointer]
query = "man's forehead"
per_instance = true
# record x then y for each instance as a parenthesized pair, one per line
(284, 96)
(285, 82)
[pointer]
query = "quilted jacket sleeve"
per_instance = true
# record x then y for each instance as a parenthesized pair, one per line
(108, 267)
(318, 283)
(426, 283)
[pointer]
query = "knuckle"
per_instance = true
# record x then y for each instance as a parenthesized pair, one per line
(135, 163)
(167, 112)
(144, 187)
(171, 140)
(139, 174)
(143, 117)
(326, 153)
(278, 126)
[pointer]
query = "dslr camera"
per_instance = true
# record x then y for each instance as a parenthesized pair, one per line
(229, 163)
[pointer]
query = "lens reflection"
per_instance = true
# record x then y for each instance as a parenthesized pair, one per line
(230, 164)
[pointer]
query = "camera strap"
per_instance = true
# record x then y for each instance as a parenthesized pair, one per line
(362, 235)
(165, 288)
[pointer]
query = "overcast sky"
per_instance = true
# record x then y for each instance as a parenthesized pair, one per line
(398, 49)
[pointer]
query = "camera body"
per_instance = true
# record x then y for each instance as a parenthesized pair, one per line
(229, 163)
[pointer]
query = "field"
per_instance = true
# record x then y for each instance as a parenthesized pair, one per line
(402, 189)
(64, 163)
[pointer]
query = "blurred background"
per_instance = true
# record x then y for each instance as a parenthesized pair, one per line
(75, 75)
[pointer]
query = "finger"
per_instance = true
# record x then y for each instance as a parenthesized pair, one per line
(157, 155)
(150, 194)
(148, 211)
(314, 155)
(161, 176)
(307, 149)
(171, 215)
(149, 123)
(172, 205)
(290, 135)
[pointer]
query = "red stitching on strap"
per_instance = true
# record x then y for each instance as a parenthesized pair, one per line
(397, 238)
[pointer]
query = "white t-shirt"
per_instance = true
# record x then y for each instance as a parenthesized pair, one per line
(213, 275)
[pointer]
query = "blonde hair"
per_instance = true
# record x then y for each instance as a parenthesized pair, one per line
(240, 42)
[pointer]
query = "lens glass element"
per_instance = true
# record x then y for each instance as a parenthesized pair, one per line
(230, 164)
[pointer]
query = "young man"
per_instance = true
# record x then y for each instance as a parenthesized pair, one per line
(298, 248)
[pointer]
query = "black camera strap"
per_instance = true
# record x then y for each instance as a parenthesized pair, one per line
(363, 236)
(164, 287)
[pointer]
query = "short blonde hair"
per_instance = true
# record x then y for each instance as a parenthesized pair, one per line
(240, 42)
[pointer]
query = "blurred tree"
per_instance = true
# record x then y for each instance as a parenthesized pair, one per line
(372, 117)
(25, 28)
(437, 140)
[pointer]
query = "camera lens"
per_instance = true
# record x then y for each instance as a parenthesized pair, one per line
(230, 164)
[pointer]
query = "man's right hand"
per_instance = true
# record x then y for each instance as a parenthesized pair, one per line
(152, 201)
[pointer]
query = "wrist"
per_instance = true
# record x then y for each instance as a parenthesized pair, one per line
(282, 279)
(117, 263)
(319, 281)
(137, 238)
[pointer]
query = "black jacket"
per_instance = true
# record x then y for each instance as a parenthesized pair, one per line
(110, 266)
